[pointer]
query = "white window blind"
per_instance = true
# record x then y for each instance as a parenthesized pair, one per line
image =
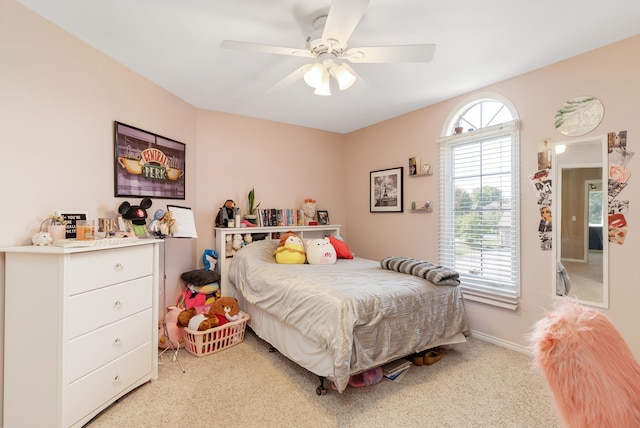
(479, 211)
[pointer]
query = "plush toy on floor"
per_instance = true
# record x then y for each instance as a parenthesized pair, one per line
(590, 370)
(173, 333)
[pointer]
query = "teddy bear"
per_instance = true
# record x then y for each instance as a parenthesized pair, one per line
(237, 242)
(225, 309)
(320, 251)
(228, 246)
(290, 249)
(227, 213)
(173, 336)
(193, 320)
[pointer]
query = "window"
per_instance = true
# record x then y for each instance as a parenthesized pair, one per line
(479, 202)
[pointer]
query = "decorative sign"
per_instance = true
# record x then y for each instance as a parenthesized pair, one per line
(579, 116)
(148, 165)
(71, 220)
(185, 220)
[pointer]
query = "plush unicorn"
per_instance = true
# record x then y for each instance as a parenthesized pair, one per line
(591, 372)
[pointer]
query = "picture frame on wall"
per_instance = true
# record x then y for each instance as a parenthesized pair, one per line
(323, 217)
(385, 190)
(147, 164)
(414, 164)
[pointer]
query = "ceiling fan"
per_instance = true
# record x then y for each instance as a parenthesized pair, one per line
(327, 45)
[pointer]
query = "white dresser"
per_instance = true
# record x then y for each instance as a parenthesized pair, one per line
(81, 329)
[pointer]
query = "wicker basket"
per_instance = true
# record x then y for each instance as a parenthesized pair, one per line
(201, 343)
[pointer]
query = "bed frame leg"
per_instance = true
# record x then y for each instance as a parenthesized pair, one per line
(321, 390)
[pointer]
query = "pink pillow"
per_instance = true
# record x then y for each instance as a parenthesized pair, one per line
(342, 249)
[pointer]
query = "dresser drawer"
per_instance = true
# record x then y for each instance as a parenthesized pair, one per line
(103, 385)
(95, 269)
(95, 309)
(95, 349)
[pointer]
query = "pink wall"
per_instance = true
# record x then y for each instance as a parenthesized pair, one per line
(613, 75)
(284, 163)
(59, 98)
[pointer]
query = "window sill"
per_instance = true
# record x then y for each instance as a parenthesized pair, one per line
(506, 302)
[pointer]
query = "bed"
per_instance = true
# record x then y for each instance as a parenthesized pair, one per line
(342, 319)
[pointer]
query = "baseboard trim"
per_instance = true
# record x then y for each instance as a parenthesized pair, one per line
(503, 343)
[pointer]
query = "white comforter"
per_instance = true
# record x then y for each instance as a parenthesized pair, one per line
(362, 314)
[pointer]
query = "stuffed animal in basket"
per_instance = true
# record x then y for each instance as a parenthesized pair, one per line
(290, 249)
(225, 309)
(173, 333)
(320, 252)
(193, 320)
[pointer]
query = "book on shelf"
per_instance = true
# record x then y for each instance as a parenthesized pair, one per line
(268, 217)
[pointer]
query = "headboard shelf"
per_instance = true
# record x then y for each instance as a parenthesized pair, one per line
(271, 232)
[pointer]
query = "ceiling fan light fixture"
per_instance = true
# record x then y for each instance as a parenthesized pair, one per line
(314, 76)
(324, 88)
(344, 77)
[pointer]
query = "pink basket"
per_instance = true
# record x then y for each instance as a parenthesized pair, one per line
(201, 343)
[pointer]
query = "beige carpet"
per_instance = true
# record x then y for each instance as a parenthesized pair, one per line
(586, 278)
(476, 384)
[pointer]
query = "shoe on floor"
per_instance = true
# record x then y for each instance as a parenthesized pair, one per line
(432, 356)
(418, 358)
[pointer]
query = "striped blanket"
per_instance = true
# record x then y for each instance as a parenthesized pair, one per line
(437, 274)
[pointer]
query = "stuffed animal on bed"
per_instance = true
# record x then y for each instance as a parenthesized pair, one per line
(290, 249)
(320, 252)
(225, 309)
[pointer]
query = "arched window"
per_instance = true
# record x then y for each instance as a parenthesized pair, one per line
(479, 200)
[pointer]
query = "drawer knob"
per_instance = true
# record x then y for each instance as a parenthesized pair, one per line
(117, 378)
(117, 341)
(117, 304)
(119, 266)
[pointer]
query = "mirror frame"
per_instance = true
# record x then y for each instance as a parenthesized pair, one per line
(556, 173)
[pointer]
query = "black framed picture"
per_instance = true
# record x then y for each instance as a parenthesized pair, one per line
(148, 165)
(323, 217)
(385, 192)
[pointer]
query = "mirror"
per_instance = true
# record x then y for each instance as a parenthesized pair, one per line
(580, 211)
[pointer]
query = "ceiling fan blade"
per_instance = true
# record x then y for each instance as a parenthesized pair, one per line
(257, 47)
(343, 18)
(292, 78)
(401, 53)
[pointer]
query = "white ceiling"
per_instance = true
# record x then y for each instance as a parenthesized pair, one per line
(175, 43)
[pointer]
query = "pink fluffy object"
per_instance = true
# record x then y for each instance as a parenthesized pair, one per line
(591, 372)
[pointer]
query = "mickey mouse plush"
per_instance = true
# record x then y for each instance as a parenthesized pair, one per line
(137, 214)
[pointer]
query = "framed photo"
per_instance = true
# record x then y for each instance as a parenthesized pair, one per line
(323, 217)
(385, 193)
(414, 164)
(72, 217)
(147, 165)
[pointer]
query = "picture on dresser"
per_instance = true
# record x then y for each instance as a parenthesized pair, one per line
(72, 218)
(147, 165)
